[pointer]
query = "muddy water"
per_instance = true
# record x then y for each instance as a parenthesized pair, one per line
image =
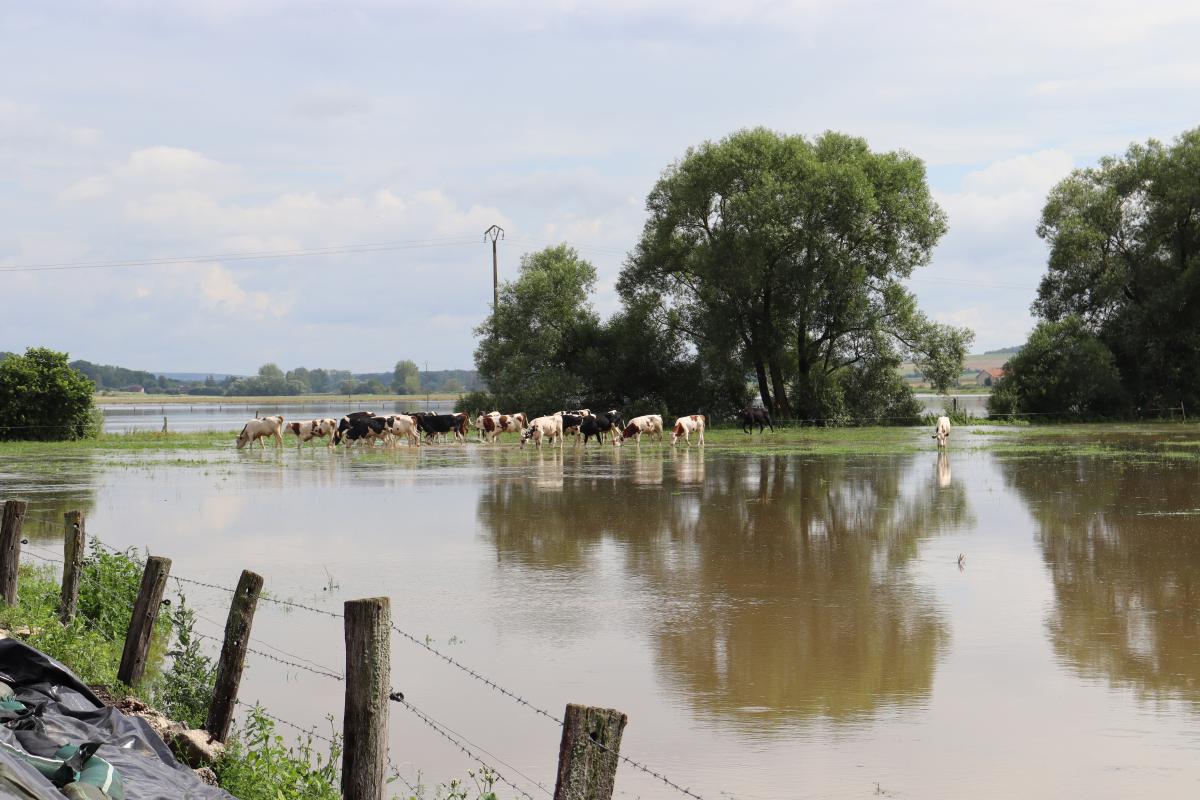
(181, 417)
(775, 626)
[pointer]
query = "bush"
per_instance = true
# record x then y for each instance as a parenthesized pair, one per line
(476, 403)
(42, 397)
(1063, 370)
(258, 765)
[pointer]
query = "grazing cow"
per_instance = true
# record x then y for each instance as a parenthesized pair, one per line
(686, 426)
(598, 427)
(366, 429)
(752, 416)
(941, 431)
(544, 428)
(312, 429)
(257, 430)
(649, 423)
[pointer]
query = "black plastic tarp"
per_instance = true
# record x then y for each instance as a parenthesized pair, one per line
(70, 713)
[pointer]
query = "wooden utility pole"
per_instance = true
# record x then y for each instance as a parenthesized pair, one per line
(368, 684)
(233, 654)
(495, 232)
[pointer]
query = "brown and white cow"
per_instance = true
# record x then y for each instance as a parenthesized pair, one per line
(257, 430)
(650, 424)
(543, 428)
(686, 426)
(493, 423)
(312, 429)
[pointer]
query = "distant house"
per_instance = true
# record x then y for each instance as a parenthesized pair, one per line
(988, 376)
(135, 388)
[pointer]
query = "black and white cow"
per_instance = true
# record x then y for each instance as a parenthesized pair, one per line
(599, 426)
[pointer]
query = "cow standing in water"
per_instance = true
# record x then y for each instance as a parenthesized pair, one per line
(257, 430)
(650, 424)
(686, 426)
(941, 431)
(752, 416)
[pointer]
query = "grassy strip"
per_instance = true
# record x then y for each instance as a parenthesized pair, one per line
(129, 399)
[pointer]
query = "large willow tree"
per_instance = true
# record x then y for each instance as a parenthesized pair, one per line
(792, 252)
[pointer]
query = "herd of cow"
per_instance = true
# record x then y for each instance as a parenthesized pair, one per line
(367, 427)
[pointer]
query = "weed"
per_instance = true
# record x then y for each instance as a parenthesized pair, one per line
(186, 690)
(259, 765)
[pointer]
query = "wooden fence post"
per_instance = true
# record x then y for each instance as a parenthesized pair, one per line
(10, 548)
(74, 539)
(141, 623)
(233, 654)
(585, 771)
(368, 684)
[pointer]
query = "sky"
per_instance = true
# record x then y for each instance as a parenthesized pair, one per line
(150, 131)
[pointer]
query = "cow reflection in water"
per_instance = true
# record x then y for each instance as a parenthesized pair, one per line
(943, 469)
(689, 467)
(779, 590)
(1123, 552)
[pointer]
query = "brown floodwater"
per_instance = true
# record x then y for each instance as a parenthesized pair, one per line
(773, 625)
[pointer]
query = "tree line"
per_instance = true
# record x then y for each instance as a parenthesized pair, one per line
(769, 265)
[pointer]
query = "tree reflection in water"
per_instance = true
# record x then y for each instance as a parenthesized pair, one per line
(1122, 543)
(780, 585)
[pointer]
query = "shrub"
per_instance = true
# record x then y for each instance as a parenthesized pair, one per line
(42, 397)
(258, 765)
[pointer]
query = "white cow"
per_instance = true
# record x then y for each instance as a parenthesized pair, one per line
(493, 423)
(402, 426)
(686, 426)
(650, 424)
(257, 430)
(941, 431)
(544, 428)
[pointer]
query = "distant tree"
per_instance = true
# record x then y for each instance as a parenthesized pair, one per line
(453, 385)
(210, 381)
(406, 378)
(1063, 369)
(542, 324)
(42, 397)
(318, 381)
(348, 386)
(790, 255)
(270, 371)
(1124, 261)
(300, 375)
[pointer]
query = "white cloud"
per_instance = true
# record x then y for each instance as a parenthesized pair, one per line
(222, 292)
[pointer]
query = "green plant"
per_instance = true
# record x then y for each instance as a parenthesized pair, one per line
(108, 588)
(42, 397)
(186, 690)
(259, 765)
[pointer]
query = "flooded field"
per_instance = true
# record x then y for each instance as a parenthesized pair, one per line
(125, 417)
(776, 624)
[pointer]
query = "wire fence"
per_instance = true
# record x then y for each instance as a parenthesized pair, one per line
(473, 750)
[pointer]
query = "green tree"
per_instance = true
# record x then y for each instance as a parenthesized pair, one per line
(406, 378)
(300, 375)
(1063, 368)
(270, 371)
(529, 347)
(318, 380)
(1124, 243)
(42, 397)
(790, 253)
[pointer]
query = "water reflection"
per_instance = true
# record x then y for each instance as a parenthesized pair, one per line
(781, 585)
(52, 486)
(1122, 548)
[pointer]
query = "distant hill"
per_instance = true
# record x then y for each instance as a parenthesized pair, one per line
(196, 376)
(1003, 351)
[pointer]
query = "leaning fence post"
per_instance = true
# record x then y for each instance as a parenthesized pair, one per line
(74, 537)
(588, 754)
(233, 654)
(368, 684)
(141, 623)
(10, 548)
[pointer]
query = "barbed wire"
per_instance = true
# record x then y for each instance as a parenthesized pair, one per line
(461, 742)
(256, 640)
(643, 768)
(486, 681)
(307, 731)
(285, 662)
